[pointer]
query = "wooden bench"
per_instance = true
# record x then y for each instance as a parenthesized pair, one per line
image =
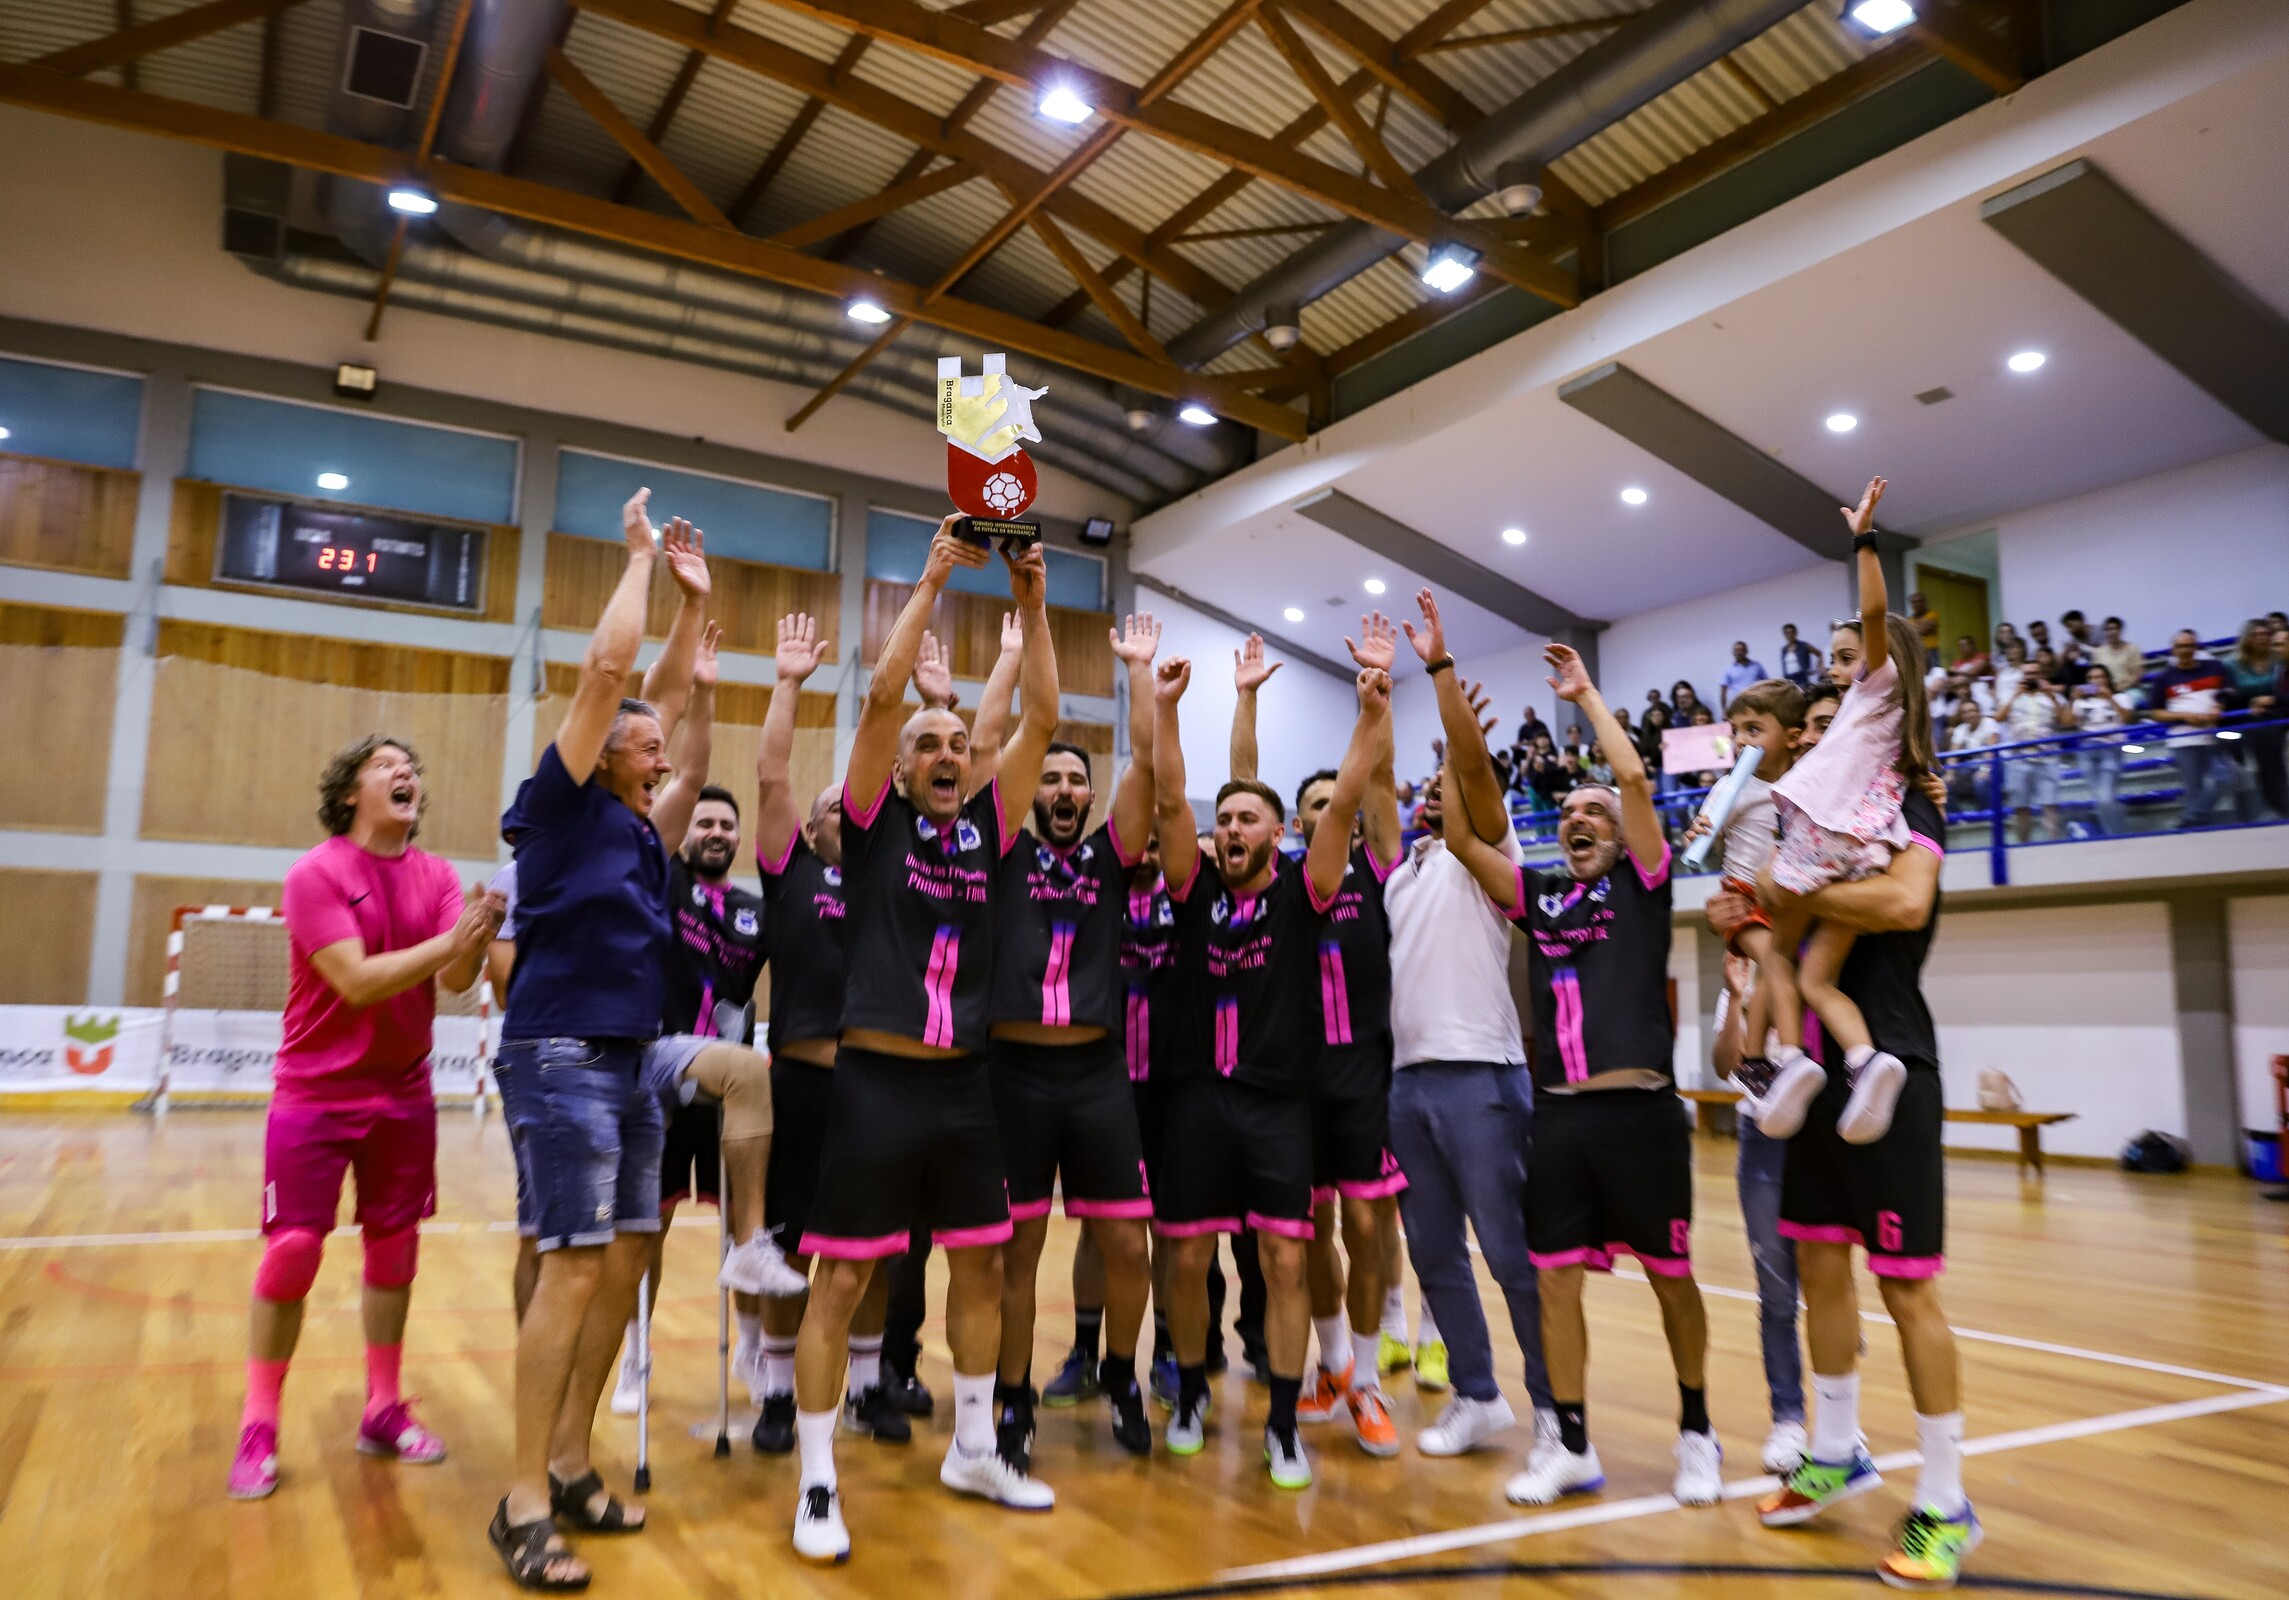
(1707, 1103)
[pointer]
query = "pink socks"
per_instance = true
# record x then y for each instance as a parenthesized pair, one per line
(381, 1376)
(264, 1380)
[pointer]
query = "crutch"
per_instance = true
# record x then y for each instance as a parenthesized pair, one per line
(644, 1377)
(722, 1308)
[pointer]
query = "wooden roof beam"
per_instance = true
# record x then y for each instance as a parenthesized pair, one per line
(670, 104)
(1402, 74)
(132, 44)
(630, 138)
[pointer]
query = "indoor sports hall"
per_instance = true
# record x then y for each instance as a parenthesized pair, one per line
(488, 489)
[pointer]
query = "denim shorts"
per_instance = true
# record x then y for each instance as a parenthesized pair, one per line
(587, 1139)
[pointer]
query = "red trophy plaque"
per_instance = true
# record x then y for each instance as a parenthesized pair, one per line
(986, 420)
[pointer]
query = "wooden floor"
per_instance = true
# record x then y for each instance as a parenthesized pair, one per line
(2121, 1335)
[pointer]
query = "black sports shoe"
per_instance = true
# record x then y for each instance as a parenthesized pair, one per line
(871, 1412)
(775, 1429)
(1013, 1426)
(907, 1393)
(1131, 1431)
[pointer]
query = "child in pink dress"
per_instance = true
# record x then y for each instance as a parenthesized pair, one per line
(1840, 820)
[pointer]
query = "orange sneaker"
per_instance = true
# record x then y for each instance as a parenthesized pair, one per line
(1371, 1415)
(1323, 1401)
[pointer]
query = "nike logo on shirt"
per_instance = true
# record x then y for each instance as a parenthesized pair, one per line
(357, 898)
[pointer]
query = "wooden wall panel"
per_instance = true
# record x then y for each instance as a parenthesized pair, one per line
(45, 936)
(67, 517)
(971, 624)
(748, 598)
(59, 674)
(197, 520)
(156, 898)
(244, 721)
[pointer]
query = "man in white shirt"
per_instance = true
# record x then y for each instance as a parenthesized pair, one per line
(1461, 1102)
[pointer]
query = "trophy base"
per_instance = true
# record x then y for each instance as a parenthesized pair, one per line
(985, 530)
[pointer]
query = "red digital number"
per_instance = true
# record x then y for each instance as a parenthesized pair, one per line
(326, 559)
(371, 558)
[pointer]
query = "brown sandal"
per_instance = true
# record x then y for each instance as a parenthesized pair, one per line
(524, 1550)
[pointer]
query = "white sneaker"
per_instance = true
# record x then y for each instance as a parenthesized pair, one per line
(1289, 1462)
(1876, 1087)
(1547, 1436)
(990, 1475)
(1464, 1425)
(1187, 1428)
(1784, 1448)
(819, 1531)
(756, 1266)
(1796, 1083)
(628, 1392)
(1554, 1473)
(1700, 1478)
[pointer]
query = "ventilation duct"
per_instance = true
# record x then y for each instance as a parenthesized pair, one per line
(385, 46)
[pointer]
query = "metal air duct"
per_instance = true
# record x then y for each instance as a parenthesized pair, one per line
(385, 50)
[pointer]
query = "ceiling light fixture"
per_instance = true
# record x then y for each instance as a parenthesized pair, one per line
(333, 482)
(865, 311)
(1513, 535)
(3, 433)
(1449, 267)
(1633, 496)
(1293, 613)
(1873, 19)
(1373, 586)
(1842, 422)
(1198, 416)
(413, 202)
(2027, 361)
(1061, 104)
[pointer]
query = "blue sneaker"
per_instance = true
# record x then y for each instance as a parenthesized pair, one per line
(1164, 1383)
(1075, 1382)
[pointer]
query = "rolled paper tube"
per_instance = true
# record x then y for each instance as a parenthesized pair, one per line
(1719, 805)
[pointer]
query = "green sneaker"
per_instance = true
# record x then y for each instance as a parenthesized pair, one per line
(1187, 1428)
(1391, 1353)
(1815, 1486)
(1930, 1550)
(1431, 1365)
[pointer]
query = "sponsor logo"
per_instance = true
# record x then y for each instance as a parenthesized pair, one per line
(966, 835)
(88, 1043)
(743, 923)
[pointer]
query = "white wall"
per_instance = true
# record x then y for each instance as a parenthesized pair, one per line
(1694, 640)
(2076, 1004)
(1303, 716)
(2204, 546)
(1514, 679)
(123, 233)
(2259, 932)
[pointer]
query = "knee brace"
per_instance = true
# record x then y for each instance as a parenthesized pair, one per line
(290, 1260)
(742, 1083)
(390, 1257)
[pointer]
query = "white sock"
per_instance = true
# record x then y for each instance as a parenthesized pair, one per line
(815, 1436)
(1334, 1342)
(750, 1328)
(1426, 1325)
(1395, 1313)
(973, 1414)
(628, 1343)
(1836, 1418)
(1365, 1373)
(865, 1363)
(1940, 1489)
(1859, 1056)
(1784, 1055)
(778, 1365)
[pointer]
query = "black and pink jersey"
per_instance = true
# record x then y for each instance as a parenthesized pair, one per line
(920, 936)
(1249, 965)
(1600, 966)
(717, 953)
(1148, 981)
(1355, 981)
(803, 938)
(1057, 931)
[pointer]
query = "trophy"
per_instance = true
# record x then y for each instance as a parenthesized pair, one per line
(989, 477)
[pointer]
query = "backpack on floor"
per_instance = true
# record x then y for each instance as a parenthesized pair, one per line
(2153, 1151)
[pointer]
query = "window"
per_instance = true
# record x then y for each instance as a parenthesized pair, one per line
(70, 413)
(326, 453)
(745, 521)
(898, 547)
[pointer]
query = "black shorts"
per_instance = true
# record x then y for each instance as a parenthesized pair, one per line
(1233, 1156)
(1351, 1137)
(1150, 1097)
(909, 1143)
(1611, 1173)
(802, 1101)
(1068, 1121)
(690, 1158)
(1889, 1197)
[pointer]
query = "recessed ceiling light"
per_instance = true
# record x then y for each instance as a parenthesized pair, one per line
(3, 433)
(1633, 496)
(2026, 361)
(412, 202)
(1842, 422)
(865, 311)
(1373, 586)
(1879, 17)
(1513, 535)
(332, 481)
(1293, 613)
(1196, 415)
(1063, 105)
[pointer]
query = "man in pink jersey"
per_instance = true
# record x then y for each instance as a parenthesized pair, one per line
(370, 922)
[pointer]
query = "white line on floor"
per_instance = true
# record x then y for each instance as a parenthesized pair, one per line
(1372, 1555)
(106, 1241)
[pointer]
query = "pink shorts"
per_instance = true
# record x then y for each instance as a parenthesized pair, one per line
(391, 1143)
(1811, 857)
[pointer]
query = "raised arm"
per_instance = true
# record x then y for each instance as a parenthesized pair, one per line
(1496, 873)
(1470, 770)
(934, 675)
(778, 809)
(991, 729)
(1249, 673)
(1171, 810)
(1379, 806)
(874, 746)
(611, 650)
(1134, 643)
(667, 682)
(1037, 681)
(1330, 852)
(693, 749)
(1875, 641)
(1640, 822)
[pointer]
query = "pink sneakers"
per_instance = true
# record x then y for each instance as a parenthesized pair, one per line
(255, 1473)
(392, 1431)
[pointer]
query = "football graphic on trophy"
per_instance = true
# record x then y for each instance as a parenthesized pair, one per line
(986, 420)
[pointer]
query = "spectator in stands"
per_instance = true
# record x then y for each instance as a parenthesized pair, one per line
(1799, 663)
(1683, 702)
(1969, 660)
(2046, 661)
(2008, 671)
(2039, 637)
(2188, 693)
(2267, 708)
(2032, 710)
(1530, 727)
(1926, 623)
(2099, 710)
(2124, 662)
(1650, 728)
(1703, 717)
(2248, 679)
(2078, 633)
(2005, 634)
(1970, 728)
(1546, 774)
(1739, 674)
